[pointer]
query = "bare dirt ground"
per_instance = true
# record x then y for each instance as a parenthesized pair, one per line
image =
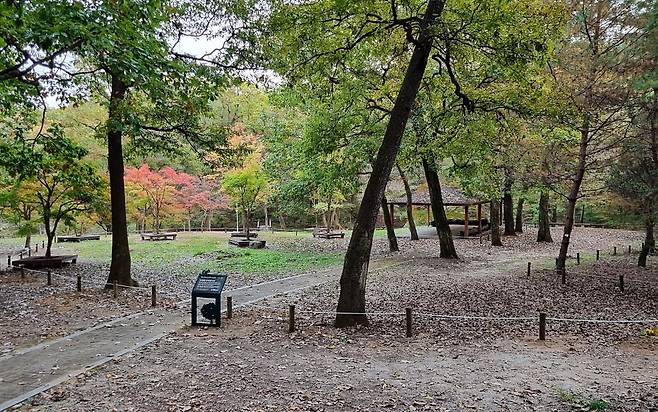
(253, 364)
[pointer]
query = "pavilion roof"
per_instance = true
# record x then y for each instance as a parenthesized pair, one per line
(451, 197)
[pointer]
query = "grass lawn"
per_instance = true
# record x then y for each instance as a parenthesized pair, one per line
(200, 251)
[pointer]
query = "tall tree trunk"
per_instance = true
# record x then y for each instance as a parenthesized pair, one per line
(495, 223)
(120, 266)
(352, 297)
(649, 241)
(446, 244)
(245, 223)
(410, 207)
(519, 216)
(390, 231)
(573, 197)
(267, 218)
(544, 232)
(50, 236)
(508, 209)
(28, 240)
(209, 218)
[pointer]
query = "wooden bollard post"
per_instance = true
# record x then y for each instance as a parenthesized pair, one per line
(629, 249)
(49, 278)
(614, 251)
(20, 255)
(557, 262)
(229, 307)
(542, 326)
(578, 258)
(22, 273)
(9, 261)
(115, 289)
(153, 296)
(409, 324)
(29, 252)
(291, 318)
(621, 283)
(36, 248)
(598, 254)
(529, 269)
(79, 284)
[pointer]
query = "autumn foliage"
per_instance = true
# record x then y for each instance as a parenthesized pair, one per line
(157, 195)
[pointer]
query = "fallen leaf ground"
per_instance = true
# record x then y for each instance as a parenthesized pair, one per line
(253, 364)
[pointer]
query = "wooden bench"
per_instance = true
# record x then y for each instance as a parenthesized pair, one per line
(37, 262)
(244, 234)
(159, 236)
(82, 238)
(323, 233)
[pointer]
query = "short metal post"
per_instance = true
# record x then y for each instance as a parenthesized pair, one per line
(598, 254)
(614, 251)
(229, 307)
(115, 289)
(542, 326)
(578, 258)
(153, 296)
(621, 283)
(408, 315)
(529, 268)
(291, 318)
(49, 278)
(79, 284)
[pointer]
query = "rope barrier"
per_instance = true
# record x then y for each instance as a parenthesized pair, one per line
(620, 321)
(471, 317)
(463, 317)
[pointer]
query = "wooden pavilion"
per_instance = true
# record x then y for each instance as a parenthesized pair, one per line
(451, 197)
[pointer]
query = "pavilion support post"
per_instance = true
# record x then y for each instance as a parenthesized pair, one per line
(466, 221)
(480, 218)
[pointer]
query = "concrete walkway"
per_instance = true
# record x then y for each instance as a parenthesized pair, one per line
(28, 372)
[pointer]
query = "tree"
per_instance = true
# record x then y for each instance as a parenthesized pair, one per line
(367, 36)
(390, 231)
(410, 208)
(65, 185)
(161, 189)
(590, 71)
(245, 187)
(440, 219)
(635, 179)
(18, 205)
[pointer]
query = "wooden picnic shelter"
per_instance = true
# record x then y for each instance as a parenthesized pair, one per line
(451, 197)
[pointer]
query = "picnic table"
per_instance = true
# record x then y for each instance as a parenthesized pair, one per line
(159, 236)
